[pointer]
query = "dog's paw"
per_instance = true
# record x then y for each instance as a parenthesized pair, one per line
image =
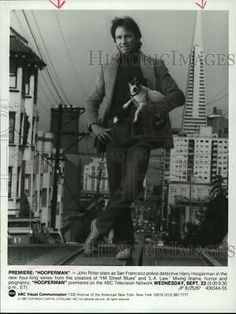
(126, 105)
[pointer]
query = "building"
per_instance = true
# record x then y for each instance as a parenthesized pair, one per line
(194, 115)
(201, 157)
(96, 176)
(70, 136)
(154, 173)
(44, 182)
(69, 128)
(194, 163)
(23, 118)
(218, 122)
(200, 151)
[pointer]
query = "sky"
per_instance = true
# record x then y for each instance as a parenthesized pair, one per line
(69, 36)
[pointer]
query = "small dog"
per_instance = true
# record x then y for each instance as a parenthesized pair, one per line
(140, 95)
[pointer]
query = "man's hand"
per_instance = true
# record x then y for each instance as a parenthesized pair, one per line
(101, 133)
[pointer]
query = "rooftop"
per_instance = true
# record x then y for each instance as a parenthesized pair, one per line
(19, 46)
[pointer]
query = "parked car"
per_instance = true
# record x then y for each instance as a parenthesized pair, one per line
(160, 243)
(20, 230)
(56, 237)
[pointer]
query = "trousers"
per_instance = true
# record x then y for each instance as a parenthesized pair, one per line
(127, 166)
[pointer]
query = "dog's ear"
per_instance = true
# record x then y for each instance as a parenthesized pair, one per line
(132, 80)
(130, 85)
(136, 80)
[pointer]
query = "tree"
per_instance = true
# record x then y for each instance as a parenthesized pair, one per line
(217, 186)
(213, 221)
(214, 226)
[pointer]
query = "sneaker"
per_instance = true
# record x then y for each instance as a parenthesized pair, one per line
(126, 253)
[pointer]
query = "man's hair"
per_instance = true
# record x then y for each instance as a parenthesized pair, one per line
(129, 24)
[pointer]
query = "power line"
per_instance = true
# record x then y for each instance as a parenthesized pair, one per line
(37, 47)
(39, 51)
(69, 55)
(19, 23)
(214, 100)
(34, 149)
(50, 91)
(219, 92)
(50, 60)
(46, 95)
(39, 101)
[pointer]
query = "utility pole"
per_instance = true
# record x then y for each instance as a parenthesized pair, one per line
(190, 192)
(163, 193)
(60, 130)
(56, 167)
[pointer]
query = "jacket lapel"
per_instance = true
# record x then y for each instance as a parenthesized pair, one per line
(110, 72)
(147, 67)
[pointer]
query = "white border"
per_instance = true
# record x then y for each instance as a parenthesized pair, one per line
(211, 302)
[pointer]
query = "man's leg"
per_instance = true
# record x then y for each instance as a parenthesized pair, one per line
(116, 160)
(137, 159)
(123, 228)
(131, 187)
(116, 167)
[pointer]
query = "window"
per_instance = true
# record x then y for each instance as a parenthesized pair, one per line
(45, 164)
(21, 122)
(18, 182)
(12, 122)
(32, 132)
(25, 130)
(10, 169)
(92, 185)
(27, 184)
(27, 82)
(35, 197)
(44, 198)
(13, 73)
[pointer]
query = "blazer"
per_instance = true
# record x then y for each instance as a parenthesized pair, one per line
(157, 77)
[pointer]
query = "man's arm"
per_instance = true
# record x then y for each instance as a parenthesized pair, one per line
(94, 100)
(92, 108)
(173, 96)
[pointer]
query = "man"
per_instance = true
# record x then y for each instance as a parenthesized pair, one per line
(127, 156)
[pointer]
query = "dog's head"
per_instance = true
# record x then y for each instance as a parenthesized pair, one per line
(135, 85)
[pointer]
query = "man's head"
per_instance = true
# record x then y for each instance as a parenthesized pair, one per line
(126, 35)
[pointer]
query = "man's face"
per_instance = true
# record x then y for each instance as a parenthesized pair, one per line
(125, 40)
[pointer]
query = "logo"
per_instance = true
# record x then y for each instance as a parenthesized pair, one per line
(12, 293)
